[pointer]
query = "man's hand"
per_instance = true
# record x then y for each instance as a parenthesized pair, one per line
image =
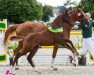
(75, 27)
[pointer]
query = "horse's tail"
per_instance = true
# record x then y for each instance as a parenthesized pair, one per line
(16, 38)
(8, 33)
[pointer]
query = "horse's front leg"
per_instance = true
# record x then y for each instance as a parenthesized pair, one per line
(71, 44)
(68, 44)
(54, 55)
(75, 55)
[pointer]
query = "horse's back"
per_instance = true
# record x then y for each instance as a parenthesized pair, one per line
(26, 28)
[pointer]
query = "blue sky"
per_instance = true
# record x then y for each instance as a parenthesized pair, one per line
(55, 2)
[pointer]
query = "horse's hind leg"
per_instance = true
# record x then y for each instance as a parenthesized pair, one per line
(54, 55)
(17, 56)
(18, 47)
(30, 56)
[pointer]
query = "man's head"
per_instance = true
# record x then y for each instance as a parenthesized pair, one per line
(88, 15)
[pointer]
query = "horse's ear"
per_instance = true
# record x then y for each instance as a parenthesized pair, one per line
(78, 8)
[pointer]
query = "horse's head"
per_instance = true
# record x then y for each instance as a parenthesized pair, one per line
(63, 18)
(67, 18)
(78, 15)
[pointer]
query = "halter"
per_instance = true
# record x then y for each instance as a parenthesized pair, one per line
(49, 26)
(80, 15)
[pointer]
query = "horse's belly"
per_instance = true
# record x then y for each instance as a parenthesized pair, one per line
(46, 43)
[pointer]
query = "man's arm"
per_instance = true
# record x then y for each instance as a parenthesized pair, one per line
(75, 27)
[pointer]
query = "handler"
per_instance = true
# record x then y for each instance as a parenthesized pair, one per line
(86, 35)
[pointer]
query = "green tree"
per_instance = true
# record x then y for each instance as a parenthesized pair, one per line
(47, 12)
(18, 11)
(88, 6)
(69, 5)
(37, 9)
(62, 9)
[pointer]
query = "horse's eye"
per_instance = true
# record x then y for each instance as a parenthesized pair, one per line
(79, 14)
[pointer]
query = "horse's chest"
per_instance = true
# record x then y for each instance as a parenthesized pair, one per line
(58, 38)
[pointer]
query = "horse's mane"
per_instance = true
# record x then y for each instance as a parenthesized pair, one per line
(72, 10)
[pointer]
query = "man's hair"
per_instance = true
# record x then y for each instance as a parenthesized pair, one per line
(88, 14)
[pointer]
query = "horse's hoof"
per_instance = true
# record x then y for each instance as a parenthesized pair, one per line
(55, 69)
(74, 65)
(34, 70)
(77, 54)
(38, 71)
(16, 68)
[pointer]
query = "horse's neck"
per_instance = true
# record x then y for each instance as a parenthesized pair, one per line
(67, 27)
(66, 31)
(72, 16)
(56, 24)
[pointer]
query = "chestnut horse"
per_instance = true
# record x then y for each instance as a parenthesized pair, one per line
(65, 18)
(31, 42)
(29, 27)
(47, 37)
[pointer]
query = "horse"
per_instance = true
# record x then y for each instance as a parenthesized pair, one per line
(25, 28)
(46, 37)
(65, 19)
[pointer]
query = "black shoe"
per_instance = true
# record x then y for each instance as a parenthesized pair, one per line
(82, 61)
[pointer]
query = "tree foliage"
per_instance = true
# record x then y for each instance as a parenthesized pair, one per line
(68, 5)
(18, 11)
(47, 12)
(88, 6)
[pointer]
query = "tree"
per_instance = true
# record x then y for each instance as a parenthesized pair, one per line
(37, 9)
(47, 12)
(18, 11)
(68, 5)
(88, 6)
(62, 9)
